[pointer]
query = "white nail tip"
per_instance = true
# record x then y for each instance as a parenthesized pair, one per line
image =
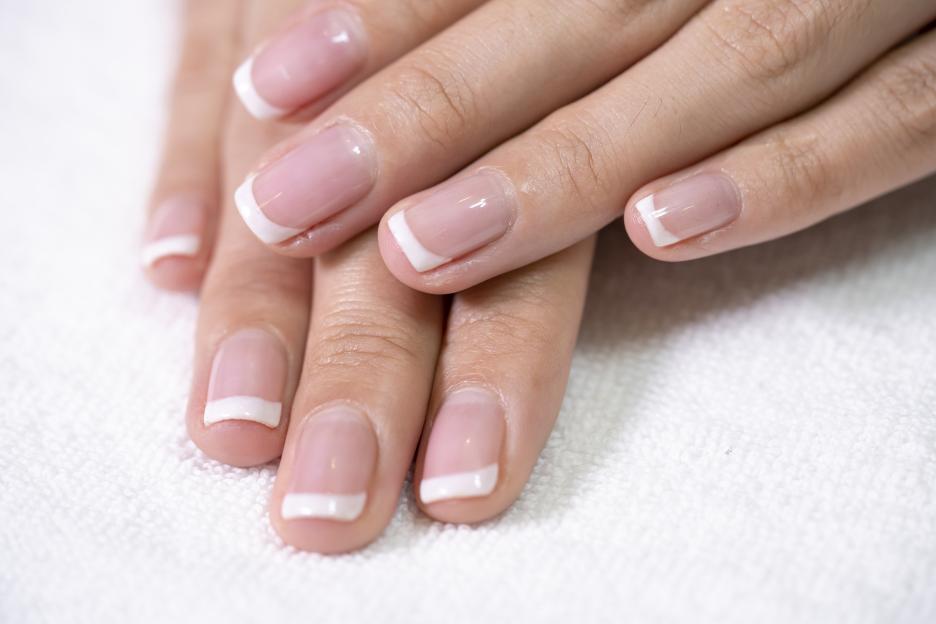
(421, 258)
(244, 408)
(184, 245)
(660, 235)
(252, 101)
(459, 485)
(344, 507)
(264, 229)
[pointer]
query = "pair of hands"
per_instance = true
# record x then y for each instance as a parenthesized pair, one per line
(572, 107)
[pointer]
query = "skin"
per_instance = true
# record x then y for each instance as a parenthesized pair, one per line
(816, 105)
(351, 333)
(810, 108)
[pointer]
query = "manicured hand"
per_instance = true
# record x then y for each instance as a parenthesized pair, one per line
(523, 126)
(343, 370)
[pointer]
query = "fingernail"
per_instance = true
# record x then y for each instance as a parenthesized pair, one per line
(333, 465)
(696, 205)
(174, 229)
(315, 181)
(302, 64)
(464, 447)
(457, 218)
(248, 377)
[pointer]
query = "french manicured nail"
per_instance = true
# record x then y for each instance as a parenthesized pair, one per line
(464, 447)
(174, 230)
(313, 57)
(690, 207)
(332, 467)
(455, 219)
(315, 181)
(248, 378)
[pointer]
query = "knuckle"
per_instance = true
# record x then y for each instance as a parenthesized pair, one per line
(257, 283)
(803, 170)
(517, 330)
(610, 12)
(521, 319)
(432, 92)
(575, 157)
(909, 97)
(767, 39)
(358, 334)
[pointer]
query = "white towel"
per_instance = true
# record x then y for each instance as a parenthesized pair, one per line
(749, 438)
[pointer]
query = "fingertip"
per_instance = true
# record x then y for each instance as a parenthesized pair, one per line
(238, 443)
(176, 273)
(323, 536)
(643, 240)
(466, 510)
(402, 269)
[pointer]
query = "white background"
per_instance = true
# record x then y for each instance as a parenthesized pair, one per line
(749, 438)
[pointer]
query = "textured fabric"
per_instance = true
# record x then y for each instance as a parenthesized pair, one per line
(749, 438)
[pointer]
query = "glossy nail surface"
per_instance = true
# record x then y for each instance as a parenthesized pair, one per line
(464, 448)
(248, 378)
(333, 464)
(317, 180)
(314, 56)
(453, 220)
(175, 229)
(690, 207)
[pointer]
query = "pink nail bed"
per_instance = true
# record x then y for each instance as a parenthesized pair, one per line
(248, 378)
(464, 448)
(690, 207)
(310, 59)
(333, 466)
(317, 180)
(174, 229)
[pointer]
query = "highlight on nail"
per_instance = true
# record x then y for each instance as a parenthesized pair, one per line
(332, 466)
(248, 379)
(463, 454)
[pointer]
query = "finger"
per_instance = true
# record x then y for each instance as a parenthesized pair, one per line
(499, 384)
(574, 172)
(251, 330)
(356, 419)
(441, 106)
(183, 207)
(323, 50)
(877, 135)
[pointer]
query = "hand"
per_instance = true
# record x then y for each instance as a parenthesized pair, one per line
(335, 364)
(709, 125)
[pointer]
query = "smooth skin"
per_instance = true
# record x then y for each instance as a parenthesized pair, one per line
(800, 109)
(350, 334)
